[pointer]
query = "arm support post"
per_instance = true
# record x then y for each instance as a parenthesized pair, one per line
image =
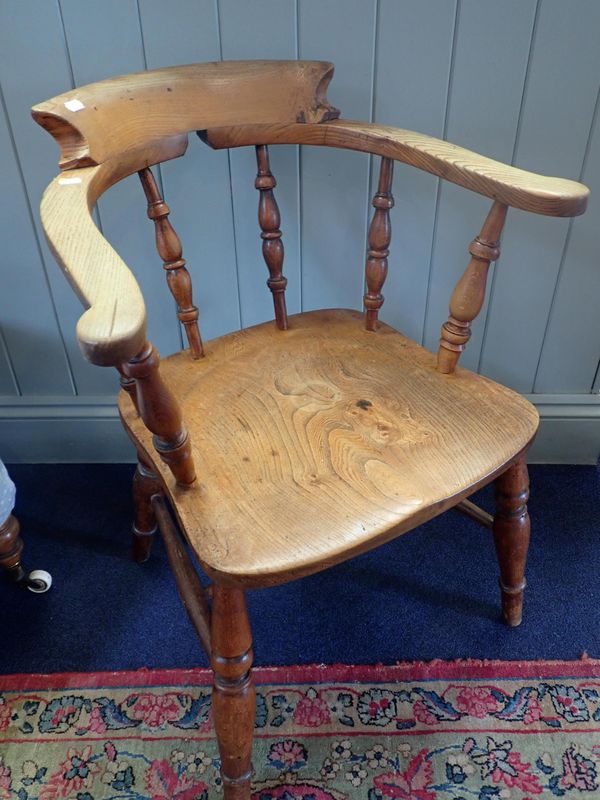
(469, 293)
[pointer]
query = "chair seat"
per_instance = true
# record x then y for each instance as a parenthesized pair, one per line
(320, 442)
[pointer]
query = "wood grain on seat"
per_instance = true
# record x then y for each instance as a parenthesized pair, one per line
(317, 443)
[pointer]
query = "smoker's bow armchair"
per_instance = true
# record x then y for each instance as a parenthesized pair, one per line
(295, 444)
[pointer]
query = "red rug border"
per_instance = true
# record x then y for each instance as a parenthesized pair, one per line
(468, 669)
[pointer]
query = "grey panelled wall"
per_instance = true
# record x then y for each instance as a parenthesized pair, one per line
(516, 80)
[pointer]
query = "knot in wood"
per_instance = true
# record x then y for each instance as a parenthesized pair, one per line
(484, 251)
(158, 209)
(383, 201)
(263, 182)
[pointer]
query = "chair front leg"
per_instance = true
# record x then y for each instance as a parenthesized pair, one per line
(234, 697)
(511, 537)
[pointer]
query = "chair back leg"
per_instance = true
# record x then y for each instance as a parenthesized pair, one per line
(145, 486)
(511, 537)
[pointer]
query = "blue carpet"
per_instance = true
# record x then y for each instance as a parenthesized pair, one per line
(430, 594)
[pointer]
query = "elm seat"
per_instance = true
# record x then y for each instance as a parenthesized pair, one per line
(298, 443)
(310, 446)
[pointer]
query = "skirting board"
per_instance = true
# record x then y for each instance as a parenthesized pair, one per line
(78, 430)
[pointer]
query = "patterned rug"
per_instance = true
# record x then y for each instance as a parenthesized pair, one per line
(461, 730)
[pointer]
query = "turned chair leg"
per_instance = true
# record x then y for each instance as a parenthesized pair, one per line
(11, 547)
(511, 537)
(234, 699)
(145, 486)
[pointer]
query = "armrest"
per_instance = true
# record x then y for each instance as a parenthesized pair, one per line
(113, 328)
(515, 187)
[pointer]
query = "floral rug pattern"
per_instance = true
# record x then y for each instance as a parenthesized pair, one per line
(414, 732)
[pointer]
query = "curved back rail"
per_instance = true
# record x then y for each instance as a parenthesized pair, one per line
(100, 121)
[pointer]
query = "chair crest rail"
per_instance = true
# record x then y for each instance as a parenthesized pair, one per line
(557, 197)
(99, 121)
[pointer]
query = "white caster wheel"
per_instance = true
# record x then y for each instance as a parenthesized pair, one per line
(39, 581)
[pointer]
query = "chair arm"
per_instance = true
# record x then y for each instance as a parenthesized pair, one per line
(113, 328)
(515, 187)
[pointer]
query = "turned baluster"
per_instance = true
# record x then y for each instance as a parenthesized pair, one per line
(161, 414)
(272, 247)
(380, 236)
(469, 293)
(233, 698)
(169, 249)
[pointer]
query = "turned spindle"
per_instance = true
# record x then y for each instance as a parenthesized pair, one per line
(469, 293)
(233, 698)
(272, 246)
(380, 236)
(511, 529)
(169, 249)
(161, 414)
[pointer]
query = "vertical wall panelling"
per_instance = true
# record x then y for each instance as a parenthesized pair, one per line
(414, 37)
(335, 188)
(27, 315)
(197, 186)
(104, 39)
(556, 118)
(491, 55)
(8, 383)
(33, 67)
(569, 356)
(273, 35)
(596, 383)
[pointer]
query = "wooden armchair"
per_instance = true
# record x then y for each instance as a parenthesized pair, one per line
(308, 440)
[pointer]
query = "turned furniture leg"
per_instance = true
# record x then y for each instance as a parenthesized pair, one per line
(234, 699)
(11, 547)
(511, 537)
(145, 486)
